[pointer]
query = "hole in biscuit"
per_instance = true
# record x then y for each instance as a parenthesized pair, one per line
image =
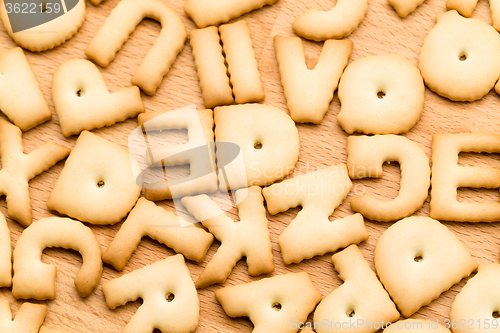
(277, 306)
(100, 183)
(350, 313)
(462, 57)
(418, 258)
(170, 297)
(44, 7)
(495, 314)
(79, 93)
(257, 145)
(381, 94)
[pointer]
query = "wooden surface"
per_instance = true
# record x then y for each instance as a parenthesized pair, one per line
(382, 32)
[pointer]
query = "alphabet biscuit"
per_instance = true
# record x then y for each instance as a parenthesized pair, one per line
(477, 302)
(147, 219)
(207, 12)
(361, 297)
(97, 184)
(272, 304)
(248, 238)
(417, 259)
(335, 23)
(267, 139)
(198, 152)
(210, 67)
(122, 22)
(447, 176)
(47, 35)
(34, 279)
(311, 233)
(29, 318)
(365, 157)
(380, 95)
(170, 301)
(18, 168)
(83, 102)
(21, 99)
(241, 62)
(309, 92)
(460, 57)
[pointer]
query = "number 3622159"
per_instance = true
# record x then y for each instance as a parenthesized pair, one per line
(486, 324)
(32, 8)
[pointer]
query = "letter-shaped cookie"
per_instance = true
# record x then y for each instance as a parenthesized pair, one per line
(156, 284)
(267, 138)
(415, 326)
(272, 304)
(248, 238)
(241, 62)
(210, 67)
(21, 99)
(122, 22)
(309, 92)
(5, 254)
(198, 152)
(464, 7)
(477, 302)
(335, 23)
(447, 176)
(50, 34)
(97, 184)
(147, 219)
(406, 7)
(495, 13)
(18, 168)
(83, 102)
(460, 57)
(208, 12)
(365, 157)
(311, 233)
(361, 297)
(34, 279)
(29, 318)
(380, 95)
(417, 259)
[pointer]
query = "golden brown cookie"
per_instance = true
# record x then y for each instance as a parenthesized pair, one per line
(359, 301)
(122, 22)
(50, 34)
(311, 233)
(309, 92)
(97, 184)
(19, 168)
(83, 102)
(365, 158)
(34, 279)
(460, 57)
(248, 238)
(147, 219)
(419, 258)
(169, 299)
(21, 99)
(272, 304)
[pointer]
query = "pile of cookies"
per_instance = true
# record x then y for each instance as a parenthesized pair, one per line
(244, 150)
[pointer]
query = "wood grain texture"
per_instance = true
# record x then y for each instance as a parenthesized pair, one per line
(382, 32)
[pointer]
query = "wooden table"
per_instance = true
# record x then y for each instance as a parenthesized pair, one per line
(382, 32)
